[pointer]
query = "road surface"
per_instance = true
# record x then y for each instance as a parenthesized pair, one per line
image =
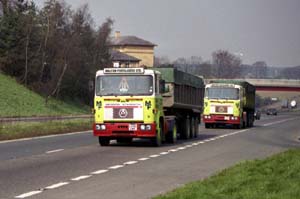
(74, 166)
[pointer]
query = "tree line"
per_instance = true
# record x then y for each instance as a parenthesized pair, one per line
(228, 65)
(53, 50)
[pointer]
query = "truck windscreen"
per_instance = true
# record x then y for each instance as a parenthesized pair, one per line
(222, 93)
(124, 85)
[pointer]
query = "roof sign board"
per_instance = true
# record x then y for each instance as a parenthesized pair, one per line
(123, 70)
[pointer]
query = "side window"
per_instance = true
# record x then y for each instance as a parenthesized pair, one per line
(157, 78)
(162, 86)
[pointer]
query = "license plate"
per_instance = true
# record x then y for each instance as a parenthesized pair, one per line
(226, 118)
(132, 127)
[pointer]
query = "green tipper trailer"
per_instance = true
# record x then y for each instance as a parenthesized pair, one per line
(183, 99)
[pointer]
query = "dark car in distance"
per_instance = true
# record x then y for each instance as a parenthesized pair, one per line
(271, 111)
(257, 114)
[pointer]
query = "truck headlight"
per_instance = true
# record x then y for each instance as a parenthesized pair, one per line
(97, 126)
(102, 127)
(145, 127)
(148, 127)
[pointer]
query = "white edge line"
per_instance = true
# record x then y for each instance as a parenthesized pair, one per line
(54, 186)
(25, 195)
(278, 122)
(99, 172)
(54, 151)
(42, 137)
(81, 178)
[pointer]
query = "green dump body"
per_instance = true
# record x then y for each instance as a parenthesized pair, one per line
(249, 95)
(186, 91)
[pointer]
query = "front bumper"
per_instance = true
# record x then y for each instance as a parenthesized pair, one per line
(221, 119)
(133, 130)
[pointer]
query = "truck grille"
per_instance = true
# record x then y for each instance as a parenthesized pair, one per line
(221, 109)
(123, 113)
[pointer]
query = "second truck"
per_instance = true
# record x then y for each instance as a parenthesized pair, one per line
(160, 104)
(229, 102)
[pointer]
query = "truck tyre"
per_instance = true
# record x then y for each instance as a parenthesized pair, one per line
(241, 125)
(186, 129)
(172, 135)
(158, 138)
(103, 141)
(196, 126)
(252, 119)
(192, 128)
(207, 125)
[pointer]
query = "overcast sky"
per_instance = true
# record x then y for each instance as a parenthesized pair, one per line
(256, 30)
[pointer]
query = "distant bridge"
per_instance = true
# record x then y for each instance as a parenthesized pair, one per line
(275, 84)
(272, 84)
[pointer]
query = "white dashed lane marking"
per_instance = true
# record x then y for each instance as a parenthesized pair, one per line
(173, 150)
(81, 178)
(154, 156)
(102, 171)
(164, 153)
(130, 162)
(99, 172)
(25, 195)
(54, 186)
(143, 159)
(116, 167)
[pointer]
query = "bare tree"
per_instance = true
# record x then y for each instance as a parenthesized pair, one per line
(28, 21)
(260, 69)
(226, 65)
(161, 61)
(102, 56)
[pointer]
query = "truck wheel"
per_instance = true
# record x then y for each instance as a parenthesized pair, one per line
(207, 126)
(103, 141)
(172, 135)
(158, 138)
(196, 126)
(192, 128)
(186, 129)
(241, 125)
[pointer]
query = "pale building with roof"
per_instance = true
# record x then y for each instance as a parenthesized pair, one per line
(139, 51)
(120, 59)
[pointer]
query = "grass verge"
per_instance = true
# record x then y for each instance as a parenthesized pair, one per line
(276, 177)
(16, 100)
(9, 131)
